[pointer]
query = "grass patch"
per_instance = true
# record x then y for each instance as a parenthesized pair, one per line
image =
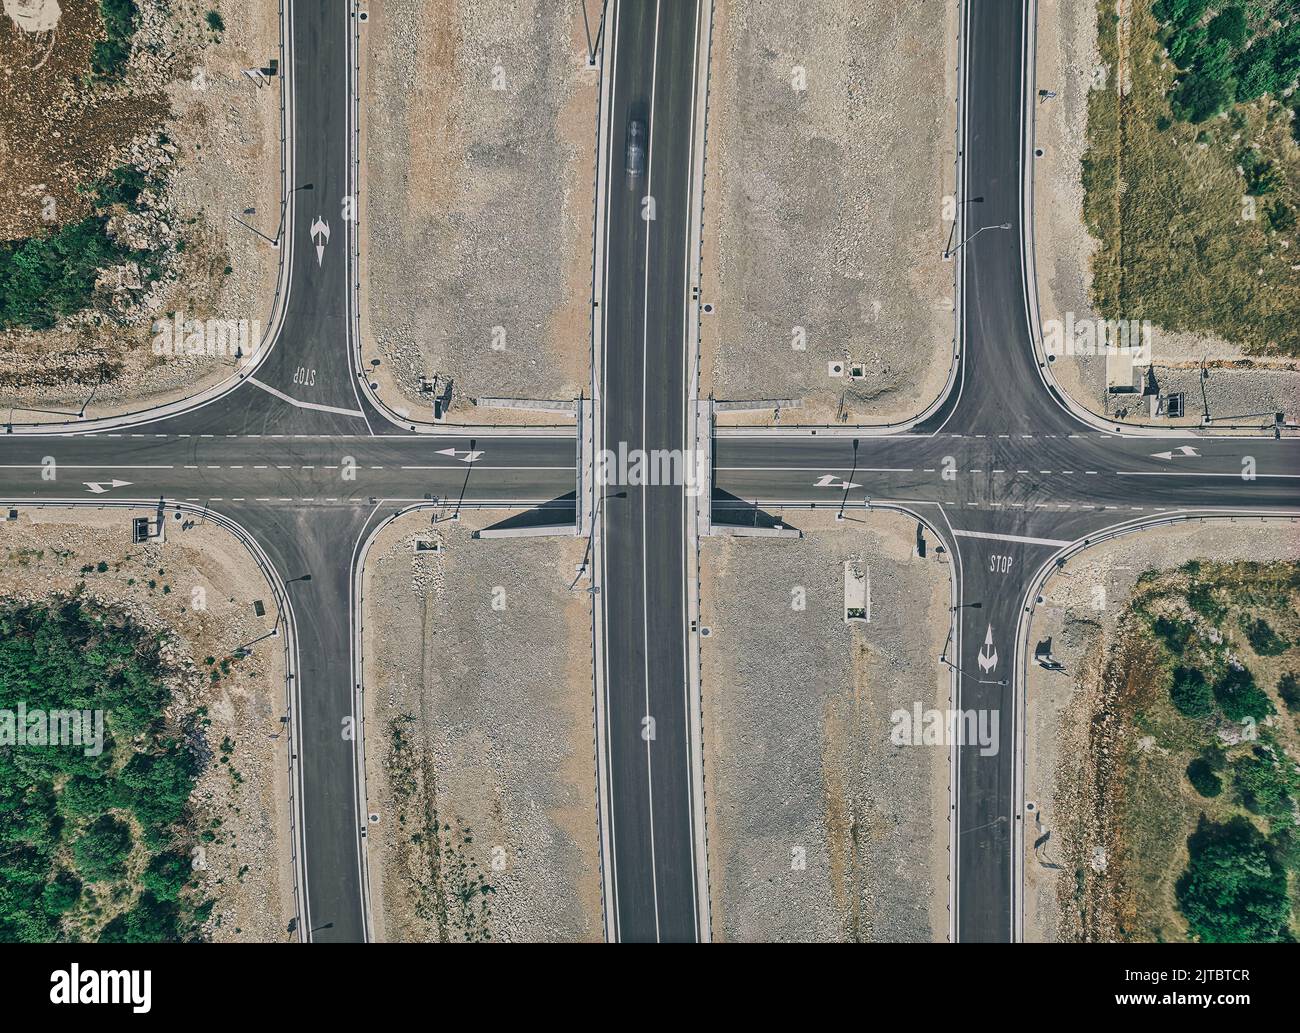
(1199, 805)
(1192, 176)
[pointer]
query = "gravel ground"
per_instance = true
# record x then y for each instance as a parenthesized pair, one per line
(1058, 712)
(248, 867)
(479, 736)
(798, 758)
(477, 235)
(823, 205)
(1069, 63)
(195, 116)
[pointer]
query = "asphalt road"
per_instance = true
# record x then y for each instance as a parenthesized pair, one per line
(1024, 477)
(649, 765)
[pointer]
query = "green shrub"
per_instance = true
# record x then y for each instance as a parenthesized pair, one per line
(1199, 98)
(1201, 599)
(60, 893)
(1288, 688)
(150, 921)
(1233, 889)
(1180, 12)
(1239, 697)
(1280, 216)
(1175, 634)
(1267, 782)
(167, 875)
(101, 851)
(121, 18)
(1262, 176)
(1203, 778)
(89, 795)
(123, 185)
(1263, 639)
(1228, 25)
(45, 278)
(1190, 693)
(159, 788)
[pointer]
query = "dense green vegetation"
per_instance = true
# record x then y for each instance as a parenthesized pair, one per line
(1217, 629)
(1263, 639)
(1239, 697)
(92, 845)
(1228, 52)
(43, 279)
(1234, 889)
(1288, 688)
(121, 18)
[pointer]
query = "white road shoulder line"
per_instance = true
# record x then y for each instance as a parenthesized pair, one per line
(1192, 473)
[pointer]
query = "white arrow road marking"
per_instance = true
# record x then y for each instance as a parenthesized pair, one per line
(830, 481)
(99, 487)
(1183, 451)
(320, 235)
(464, 457)
(988, 656)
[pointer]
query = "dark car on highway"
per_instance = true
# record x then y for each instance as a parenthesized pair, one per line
(636, 148)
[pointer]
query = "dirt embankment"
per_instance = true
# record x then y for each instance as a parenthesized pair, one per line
(140, 138)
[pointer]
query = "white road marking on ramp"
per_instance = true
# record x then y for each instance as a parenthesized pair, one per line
(1024, 539)
(306, 405)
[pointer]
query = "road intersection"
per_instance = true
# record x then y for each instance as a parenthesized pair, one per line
(301, 459)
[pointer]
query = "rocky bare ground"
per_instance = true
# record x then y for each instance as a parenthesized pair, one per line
(830, 149)
(479, 132)
(820, 828)
(479, 736)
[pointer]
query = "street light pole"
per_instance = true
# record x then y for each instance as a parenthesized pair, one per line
(981, 681)
(953, 228)
(586, 556)
(284, 203)
(243, 650)
(1000, 226)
